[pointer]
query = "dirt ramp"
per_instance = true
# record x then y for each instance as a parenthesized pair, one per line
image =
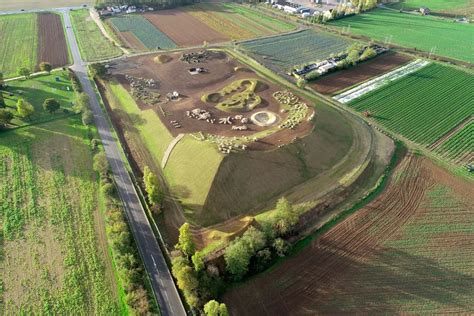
(52, 45)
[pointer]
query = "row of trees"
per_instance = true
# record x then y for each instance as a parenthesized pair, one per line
(343, 10)
(127, 261)
(154, 3)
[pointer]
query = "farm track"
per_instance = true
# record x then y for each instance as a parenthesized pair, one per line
(312, 273)
(52, 45)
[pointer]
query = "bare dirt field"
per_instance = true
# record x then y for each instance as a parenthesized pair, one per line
(52, 45)
(132, 41)
(408, 251)
(347, 78)
(220, 72)
(41, 4)
(183, 28)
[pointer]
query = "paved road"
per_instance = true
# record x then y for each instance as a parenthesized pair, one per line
(161, 280)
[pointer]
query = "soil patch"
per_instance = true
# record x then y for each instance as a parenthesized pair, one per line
(132, 41)
(347, 78)
(52, 45)
(184, 29)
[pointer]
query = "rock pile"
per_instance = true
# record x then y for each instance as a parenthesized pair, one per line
(195, 57)
(140, 89)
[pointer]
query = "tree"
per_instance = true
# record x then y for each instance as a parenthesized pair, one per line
(51, 105)
(2, 100)
(152, 187)
(185, 240)
(237, 258)
(87, 117)
(368, 53)
(5, 117)
(44, 66)
(254, 239)
(25, 72)
(213, 308)
(2, 81)
(98, 70)
(198, 261)
(286, 217)
(301, 83)
(100, 164)
(24, 109)
(281, 247)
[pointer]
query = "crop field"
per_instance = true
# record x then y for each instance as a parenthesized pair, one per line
(237, 22)
(409, 251)
(424, 105)
(450, 39)
(92, 43)
(54, 252)
(35, 90)
(460, 146)
(143, 30)
(183, 28)
(19, 42)
(285, 51)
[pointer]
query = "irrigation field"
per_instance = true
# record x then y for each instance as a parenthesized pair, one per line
(54, 252)
(424, 105)
(92, 43)
(288, 50)
(460, 146)
(143, 30)
(425, 32)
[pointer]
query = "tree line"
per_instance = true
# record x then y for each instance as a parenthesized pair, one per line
(153, 3)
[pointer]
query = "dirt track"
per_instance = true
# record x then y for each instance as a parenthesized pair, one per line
(183, 28)
(52, 46)
(347, 78)
(352, 269)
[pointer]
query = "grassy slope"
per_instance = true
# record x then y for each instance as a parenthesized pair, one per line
(425, 32)
(424, 105)
(92, 43)
(35, 91)
(19, 40)
(52, 263)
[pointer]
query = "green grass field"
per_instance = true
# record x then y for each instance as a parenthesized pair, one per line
(35, 90)
(460, 145)
(285, 51)
(448, 39)
(424, 105)
(41, 4)
(18, 43)
(92, 43)
(433, 5)
(54, 252)
(146, 32)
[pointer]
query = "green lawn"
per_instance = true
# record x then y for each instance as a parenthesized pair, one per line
(424, 105)
(92, 43)
(18, 43)
(433, 5)
(413, 31)
(35, 90)
(52, 259)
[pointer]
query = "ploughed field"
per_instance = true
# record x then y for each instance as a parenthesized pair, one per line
(194, 25)
(54, 252)
(441, 36)
(212, 183)
(408, 251)
(29, 39)
(281, 53)
(423, 105)
(341, 80)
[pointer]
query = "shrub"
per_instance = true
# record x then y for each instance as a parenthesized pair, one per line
(51, 105)
(100, 164)
(108, 189)
(44, 66)
(87, 117)
(281, 247)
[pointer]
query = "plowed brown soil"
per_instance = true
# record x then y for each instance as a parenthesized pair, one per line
(353, 268)
(346, 78)
(183, 28)
(52, 45)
